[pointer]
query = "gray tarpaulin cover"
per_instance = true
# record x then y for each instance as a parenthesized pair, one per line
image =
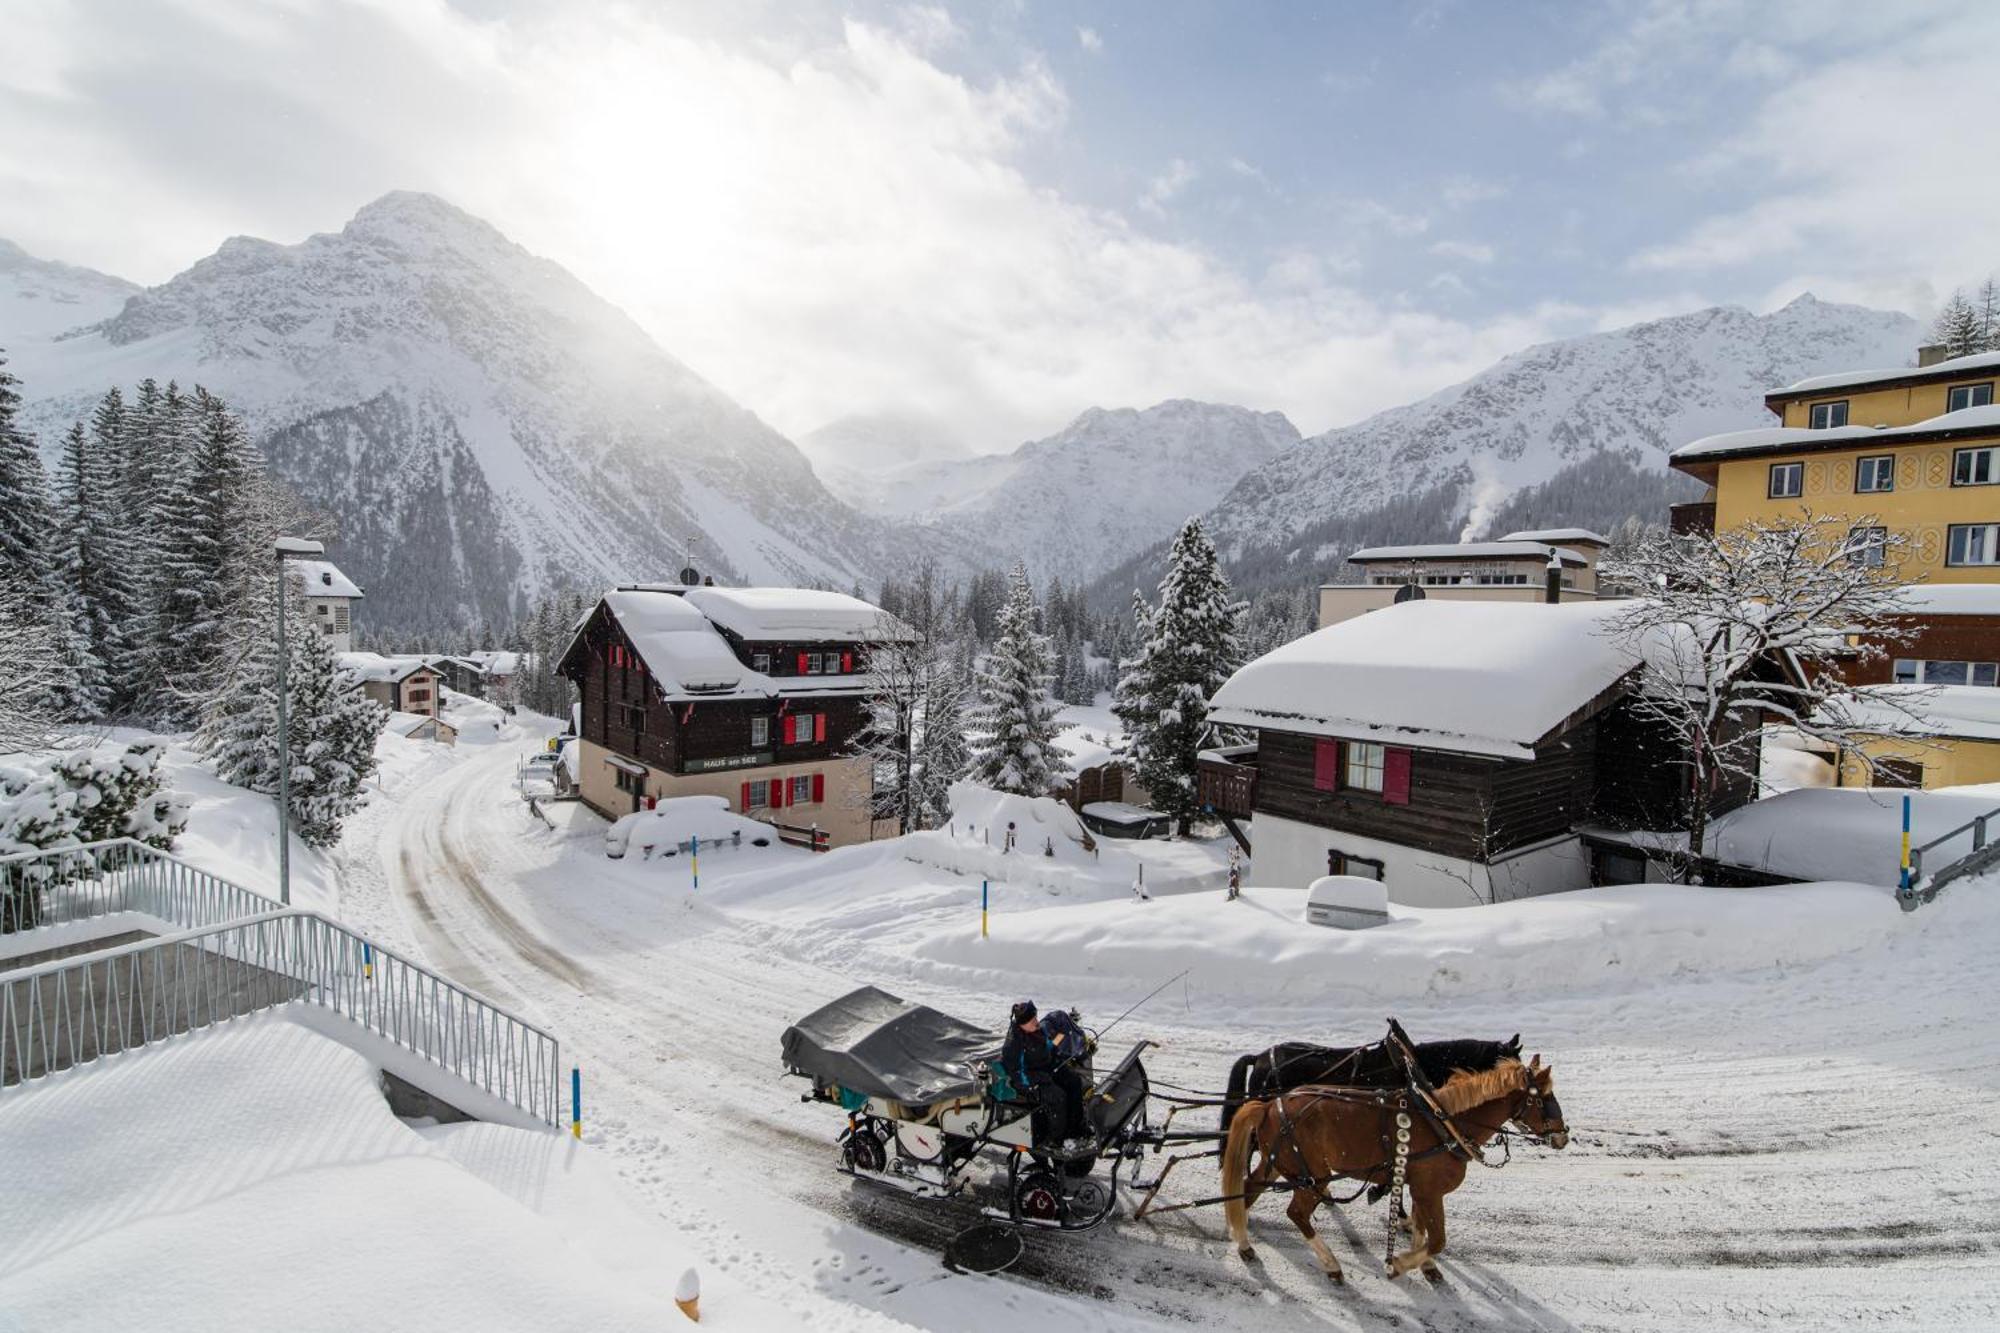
(879, 1044)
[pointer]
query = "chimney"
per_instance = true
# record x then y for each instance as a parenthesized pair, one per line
(1931, 354)
(1552, 583)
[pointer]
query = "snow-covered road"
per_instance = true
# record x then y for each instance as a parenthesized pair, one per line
(1809, 1149)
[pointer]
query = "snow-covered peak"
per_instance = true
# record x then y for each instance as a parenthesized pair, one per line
(40, 298)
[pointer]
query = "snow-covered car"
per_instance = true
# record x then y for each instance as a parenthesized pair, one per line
(543, 765)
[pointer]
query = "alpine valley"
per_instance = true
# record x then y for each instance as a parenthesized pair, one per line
(481, 426)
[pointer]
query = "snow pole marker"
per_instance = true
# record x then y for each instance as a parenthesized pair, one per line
(575, 1102)
(368, 956)
(694, 858)
(1905, 880)
(982, 908)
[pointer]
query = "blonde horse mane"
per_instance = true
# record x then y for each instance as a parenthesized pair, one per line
(1465, 1089)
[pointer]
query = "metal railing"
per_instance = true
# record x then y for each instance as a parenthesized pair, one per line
(74, 1010)
(1917, 889)
(61, 885)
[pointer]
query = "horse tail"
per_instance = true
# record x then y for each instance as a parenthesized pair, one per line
(1239, 1082)
(1236, 1175)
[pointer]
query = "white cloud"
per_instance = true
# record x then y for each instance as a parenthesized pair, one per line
(1179, 174)
(822, 219)
(1088, 39)
(1463, 191)
(1473, 252)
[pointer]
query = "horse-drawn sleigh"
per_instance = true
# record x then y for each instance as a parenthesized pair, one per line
(927, 1104)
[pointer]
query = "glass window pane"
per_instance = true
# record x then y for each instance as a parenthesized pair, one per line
(1945, 673)
(1905, 671)
(1985, 673)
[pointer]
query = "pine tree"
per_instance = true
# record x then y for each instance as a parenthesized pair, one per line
(941, 755)
(24, 503)
(1016, 718)
(1190, 649)
(1986, 301)
(84, 629)
(1958, 327)
(208, 552)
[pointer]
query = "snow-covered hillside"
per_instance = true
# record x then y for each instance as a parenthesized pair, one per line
(1109, 484)
(1645, 388)
(480, 423)
(40, 298)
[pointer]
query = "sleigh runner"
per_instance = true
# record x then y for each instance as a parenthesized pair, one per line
(928, 1103)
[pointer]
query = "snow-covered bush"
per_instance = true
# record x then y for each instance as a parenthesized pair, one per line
(110, 790)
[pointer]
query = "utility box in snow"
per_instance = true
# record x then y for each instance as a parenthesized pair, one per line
(1347, 902)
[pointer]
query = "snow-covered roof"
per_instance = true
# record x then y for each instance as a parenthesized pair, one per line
(1500, 550)
(1487, 678)
(324, 579)
(793, 614)
(1848, 379)
(1559, 537)
(679, 646)
(1952, 599)
(1782, 439)
(376, 667)
(496, 663)
(1963, 712)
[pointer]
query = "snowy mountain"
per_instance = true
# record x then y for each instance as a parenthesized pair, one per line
(899, 464)
(1110, 484)
(40, 298)
(479, 423)
(1640, 390)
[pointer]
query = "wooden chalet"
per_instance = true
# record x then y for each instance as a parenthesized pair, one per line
(755, 695)
(1458, 751)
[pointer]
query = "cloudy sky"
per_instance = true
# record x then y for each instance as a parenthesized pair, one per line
(993, 215)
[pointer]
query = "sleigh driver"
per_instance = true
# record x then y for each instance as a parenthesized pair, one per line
(1039, 1058)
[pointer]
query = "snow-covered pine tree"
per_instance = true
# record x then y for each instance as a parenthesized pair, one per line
(82, 629)
(209, 551)
(24, 503)
(941, 755)
(1191, 648)
(1958, 327)
(1017, 749)
(1986, 303)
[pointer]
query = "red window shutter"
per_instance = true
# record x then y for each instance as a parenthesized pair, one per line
(777, 793)
(791, 728)
(802, 664)
(819, 730)
(1396, 776)
(847, 664)
(819, 787)
(745, 806)
(1326, 764)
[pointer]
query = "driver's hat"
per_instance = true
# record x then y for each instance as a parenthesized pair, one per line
(1023, 1011)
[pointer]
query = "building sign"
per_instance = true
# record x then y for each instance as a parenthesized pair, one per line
(730, 761)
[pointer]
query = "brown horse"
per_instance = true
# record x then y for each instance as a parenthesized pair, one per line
(1311, 1135)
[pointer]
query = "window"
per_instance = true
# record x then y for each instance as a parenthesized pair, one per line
(1825, 416)
(1898, 773)
(802, 790)
(760, 662)
(1913, 671)
(812, 664)
(760, 794)
(760, 734)
(322, 610)
(1972, 544)
(1962, 396)
(804, 728)
(1363, 770)
(1874, 474)
(1867, 547)
(1340, 863)
(1974, 467)
(635, 718)
(1788, 480)
(632, 783)
(1492, 579)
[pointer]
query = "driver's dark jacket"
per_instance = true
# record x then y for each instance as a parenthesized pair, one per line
(1028, 1058)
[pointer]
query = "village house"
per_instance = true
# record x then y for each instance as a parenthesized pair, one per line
(330, 597)
(402, 684)
(756, 695)
(1558, 564)
(1913, 451)
(1456, 751)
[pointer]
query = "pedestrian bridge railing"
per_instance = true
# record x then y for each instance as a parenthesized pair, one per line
(71, 1011)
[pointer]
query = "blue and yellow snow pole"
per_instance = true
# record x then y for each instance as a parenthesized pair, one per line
(1905, 881)
(694, 858)
(368, 959)
(982, 909)
(575, 1102)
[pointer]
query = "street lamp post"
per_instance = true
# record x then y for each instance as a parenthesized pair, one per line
(287, 548)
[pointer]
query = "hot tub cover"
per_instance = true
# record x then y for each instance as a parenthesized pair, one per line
(882, 1045)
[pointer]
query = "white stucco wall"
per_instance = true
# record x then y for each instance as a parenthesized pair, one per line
(1286, 853)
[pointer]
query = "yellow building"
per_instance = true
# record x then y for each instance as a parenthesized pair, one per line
(1913, 451)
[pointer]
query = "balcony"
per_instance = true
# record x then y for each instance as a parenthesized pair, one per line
(1693, 519)
(1226, 781)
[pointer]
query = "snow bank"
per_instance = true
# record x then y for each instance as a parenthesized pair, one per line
(1260, 947)
(1842, 833)
(253, 1177)
(665, 829)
